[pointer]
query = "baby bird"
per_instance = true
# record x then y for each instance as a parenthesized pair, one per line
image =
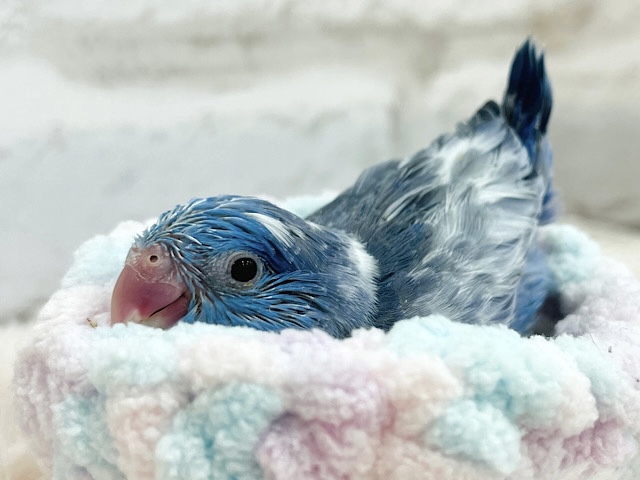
(450, 230)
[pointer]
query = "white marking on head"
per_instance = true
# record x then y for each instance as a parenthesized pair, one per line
(276, 227)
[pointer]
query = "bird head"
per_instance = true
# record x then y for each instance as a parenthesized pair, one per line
(242, 261)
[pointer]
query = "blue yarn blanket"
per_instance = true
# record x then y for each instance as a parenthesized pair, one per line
(429, 399)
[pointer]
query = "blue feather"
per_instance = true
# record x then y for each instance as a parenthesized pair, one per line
(527, 107)
(449, 230)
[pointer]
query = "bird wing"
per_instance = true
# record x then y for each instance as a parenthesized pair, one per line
(453, 226)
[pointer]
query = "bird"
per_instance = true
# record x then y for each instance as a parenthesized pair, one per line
(449, 230)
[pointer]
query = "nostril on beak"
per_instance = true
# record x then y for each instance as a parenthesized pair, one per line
(152, 261)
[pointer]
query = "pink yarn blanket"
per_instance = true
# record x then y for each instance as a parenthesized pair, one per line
(431, 399)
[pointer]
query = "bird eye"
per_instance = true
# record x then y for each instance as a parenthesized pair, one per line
(244, 269)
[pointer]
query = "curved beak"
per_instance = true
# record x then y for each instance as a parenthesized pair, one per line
(148, 290)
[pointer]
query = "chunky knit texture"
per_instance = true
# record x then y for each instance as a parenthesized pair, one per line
(430, 399)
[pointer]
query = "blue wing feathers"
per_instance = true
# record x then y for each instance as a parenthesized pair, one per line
(429, 220)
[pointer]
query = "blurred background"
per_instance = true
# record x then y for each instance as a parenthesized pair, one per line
(119, 109)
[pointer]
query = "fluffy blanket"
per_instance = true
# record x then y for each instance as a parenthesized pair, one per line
(430, 399)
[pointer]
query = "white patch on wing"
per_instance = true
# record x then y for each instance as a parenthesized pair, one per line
(457, 146)
(315, 226)
(450, 153)
(367, 265)
(398, 205)
(276, 227)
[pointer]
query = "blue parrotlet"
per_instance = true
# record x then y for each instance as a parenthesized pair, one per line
(450, 230)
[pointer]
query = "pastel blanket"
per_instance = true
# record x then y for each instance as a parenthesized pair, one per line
(431, 399)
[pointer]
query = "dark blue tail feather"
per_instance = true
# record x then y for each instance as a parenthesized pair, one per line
(527, 107)
(527, 102)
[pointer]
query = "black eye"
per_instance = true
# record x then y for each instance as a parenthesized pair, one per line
(244, 269)
(236, 270)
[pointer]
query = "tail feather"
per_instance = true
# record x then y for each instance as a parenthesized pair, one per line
(527, 102)
(527, 107)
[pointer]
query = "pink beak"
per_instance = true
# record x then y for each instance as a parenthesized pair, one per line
(148, 290)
